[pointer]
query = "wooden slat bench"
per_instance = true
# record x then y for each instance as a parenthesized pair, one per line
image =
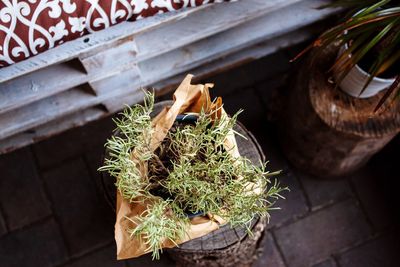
(95, 75)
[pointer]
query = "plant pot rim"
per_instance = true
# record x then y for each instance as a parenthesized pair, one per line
(378, 79)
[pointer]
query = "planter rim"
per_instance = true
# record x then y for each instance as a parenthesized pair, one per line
(378, 79)
(355, 80)
(346, 46)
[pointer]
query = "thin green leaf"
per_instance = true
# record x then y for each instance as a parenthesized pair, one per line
(372, 8)
(395, 87)
(389, 62)
(360, 53)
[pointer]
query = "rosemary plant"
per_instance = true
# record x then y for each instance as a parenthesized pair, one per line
(190, 172)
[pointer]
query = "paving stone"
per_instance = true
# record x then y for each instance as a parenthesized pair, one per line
(73, 142)
(383, 251)
(270, 92)
(317, 236)
(293, 206)
(326, 263)
(321, 192)
(105, 257)
(22, 198)
(94, 159)
(376, 186)
(86, 220)
(253, 118)
(249, 74)
(270, 255)
(247, 100)
(266, 137)
(37, 245)
(265, 87)
(373, 188)
(3, 228)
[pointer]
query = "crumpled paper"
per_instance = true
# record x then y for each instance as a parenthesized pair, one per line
(188, 98)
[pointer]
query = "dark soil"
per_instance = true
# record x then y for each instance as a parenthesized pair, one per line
(366, 62)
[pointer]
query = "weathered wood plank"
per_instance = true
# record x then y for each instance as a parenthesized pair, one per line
(112, 59)
(124, 53)
(216, 53)
(97, 41)
(232, 40)
(55, 79)
(115, 104)
(222, 64)
(173, 63)
(126, 81)
(40, 84)
(170, 61)
(43, 111)
(67, 122)
(200, 25)
(197, 26)
(118, 87)
(241, 57)
(52, 128)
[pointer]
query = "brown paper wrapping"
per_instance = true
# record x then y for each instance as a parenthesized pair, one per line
(188, 98)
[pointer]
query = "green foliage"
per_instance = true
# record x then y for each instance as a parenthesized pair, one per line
(372, 27)
(190, 172)
(157, 225)
(133, 132)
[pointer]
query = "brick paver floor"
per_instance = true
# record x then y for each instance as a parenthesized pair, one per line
(53, 212)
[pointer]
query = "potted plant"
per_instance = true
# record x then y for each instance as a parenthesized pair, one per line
(330, 127)
(169, 175)
(369, 58)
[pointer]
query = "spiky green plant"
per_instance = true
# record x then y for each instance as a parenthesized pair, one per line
(372, 29)
(159, 223)
(190, 172)
(133, 133)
